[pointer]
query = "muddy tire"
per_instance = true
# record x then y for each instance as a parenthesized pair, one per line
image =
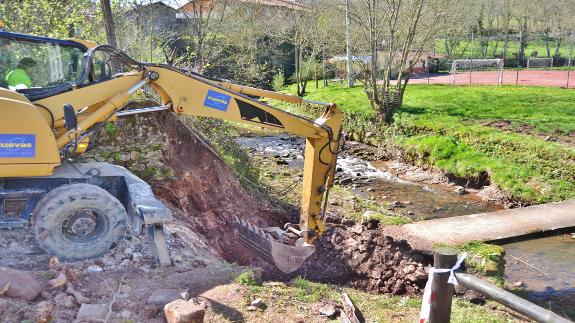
(78, 221)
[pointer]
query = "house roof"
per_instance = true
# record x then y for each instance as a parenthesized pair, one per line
(149, 5)
(290, 4)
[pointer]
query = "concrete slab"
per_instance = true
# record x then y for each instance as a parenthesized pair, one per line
(488, 226)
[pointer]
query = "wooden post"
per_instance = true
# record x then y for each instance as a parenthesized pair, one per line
(441, 291)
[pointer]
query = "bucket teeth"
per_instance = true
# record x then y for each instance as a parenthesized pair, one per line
(255, 239)
(285, 257)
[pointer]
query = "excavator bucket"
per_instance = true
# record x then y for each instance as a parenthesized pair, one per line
(285, 257)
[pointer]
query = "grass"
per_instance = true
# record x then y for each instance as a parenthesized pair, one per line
(246, 279)
(308, 291)
(447, 127)
(473, 49)
(486, 259)
(302, 298)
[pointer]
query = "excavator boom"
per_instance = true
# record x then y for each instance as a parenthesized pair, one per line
(72, 113)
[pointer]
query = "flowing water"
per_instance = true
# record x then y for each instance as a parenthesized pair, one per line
(417, 201)
(545, 266)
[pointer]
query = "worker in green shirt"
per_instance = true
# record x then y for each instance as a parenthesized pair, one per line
(6, 60)
(19, 78)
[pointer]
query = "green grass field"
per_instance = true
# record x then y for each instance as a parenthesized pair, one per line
(447, 127)
(468, 49)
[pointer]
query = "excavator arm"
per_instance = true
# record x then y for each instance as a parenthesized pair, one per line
(193, 94)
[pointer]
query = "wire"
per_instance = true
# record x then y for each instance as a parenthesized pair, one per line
(49, 111)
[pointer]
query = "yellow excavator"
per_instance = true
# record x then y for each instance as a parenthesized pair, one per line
(56, 94)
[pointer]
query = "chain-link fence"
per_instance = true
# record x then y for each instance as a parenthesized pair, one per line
(532, 59)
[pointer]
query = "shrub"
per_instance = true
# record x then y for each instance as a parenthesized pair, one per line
(279, 80)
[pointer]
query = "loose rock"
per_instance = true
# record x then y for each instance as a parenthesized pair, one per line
(3, 305)
(164, 296)
(258, 302)
(60, 280)
(180, 311)
(69, 302)
(251, 308)
(44, 311)
(329, 310)
(150, 311)
(396, 204)
(92, 312)
(460, 190)
(125, 314)
(21, 285)
(94, 269)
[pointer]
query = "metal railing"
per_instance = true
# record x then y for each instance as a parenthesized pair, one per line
(440, 310)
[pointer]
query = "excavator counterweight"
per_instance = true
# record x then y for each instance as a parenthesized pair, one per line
(51, 115)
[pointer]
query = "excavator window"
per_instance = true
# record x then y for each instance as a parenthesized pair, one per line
(29, 63)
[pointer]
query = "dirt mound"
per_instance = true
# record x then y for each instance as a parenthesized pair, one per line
(369, 260)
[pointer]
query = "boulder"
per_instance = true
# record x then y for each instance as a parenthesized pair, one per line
(180, 311)
(20, 284)
(164, 296)
(92, 312)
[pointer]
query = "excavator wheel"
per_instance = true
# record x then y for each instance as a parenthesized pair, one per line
(78, 221)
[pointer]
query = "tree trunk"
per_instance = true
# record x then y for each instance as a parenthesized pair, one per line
(109, 22)
(557, 47)
(522, 40)
(547, 48)
(350, 81)
(496, 46)
(447, 47)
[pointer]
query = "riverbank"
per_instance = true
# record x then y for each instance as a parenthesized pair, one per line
(519, 139)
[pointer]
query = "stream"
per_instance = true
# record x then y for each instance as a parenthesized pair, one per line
(544, 266)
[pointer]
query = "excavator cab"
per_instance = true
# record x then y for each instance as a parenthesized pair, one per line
(56, 94)
(38, 63)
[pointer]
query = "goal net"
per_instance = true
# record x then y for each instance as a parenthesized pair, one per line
(536, 62)
(468, 66)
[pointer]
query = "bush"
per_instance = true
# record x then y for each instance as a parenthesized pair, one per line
(279, 81)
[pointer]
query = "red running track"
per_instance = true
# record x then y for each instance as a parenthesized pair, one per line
(523, 77)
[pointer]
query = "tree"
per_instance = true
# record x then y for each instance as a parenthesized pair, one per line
(53, 18)
(401, 31)
(109, 23)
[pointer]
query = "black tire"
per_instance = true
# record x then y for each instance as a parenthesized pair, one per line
(78, 221)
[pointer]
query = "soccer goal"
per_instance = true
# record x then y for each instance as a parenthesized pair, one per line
(538, 62)
(471, 65)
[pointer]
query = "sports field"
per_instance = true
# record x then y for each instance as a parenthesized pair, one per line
(535, 77)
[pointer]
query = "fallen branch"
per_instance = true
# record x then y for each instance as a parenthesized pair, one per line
(348, 314)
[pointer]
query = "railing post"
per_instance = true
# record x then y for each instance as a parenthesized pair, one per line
(441, 290)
